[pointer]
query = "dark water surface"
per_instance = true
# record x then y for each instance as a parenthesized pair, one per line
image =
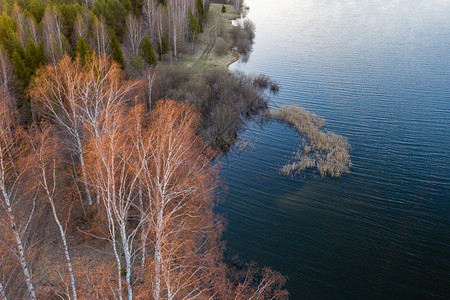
(379, 72)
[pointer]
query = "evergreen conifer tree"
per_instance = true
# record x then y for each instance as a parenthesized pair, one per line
(83, 49)
(194, 28)
(35, 56)
(115, 47)
(147, 51)
(22, 71)
(163, 48)
(201, 14)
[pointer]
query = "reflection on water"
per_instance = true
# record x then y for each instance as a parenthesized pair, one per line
(379, 73)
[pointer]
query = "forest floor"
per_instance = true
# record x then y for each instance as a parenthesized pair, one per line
(201, 54)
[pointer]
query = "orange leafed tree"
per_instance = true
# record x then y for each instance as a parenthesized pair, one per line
(14, 200)
(178, 182)
(154, 183)
(54, 92)
(49, 178)
(75, 95)
(109, 156)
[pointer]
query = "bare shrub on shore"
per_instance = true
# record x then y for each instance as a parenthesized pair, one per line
(250, 28)
(221, 47)
(224, 100)
(243, 41)
(242, 36)
(328, 152)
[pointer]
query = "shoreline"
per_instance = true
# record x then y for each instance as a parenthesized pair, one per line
(202, 55)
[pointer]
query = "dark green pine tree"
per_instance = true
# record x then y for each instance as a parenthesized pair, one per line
(147, 51)
(201, 14)
(83, 49)
(194, 28)
(115, 47)
(163, 47)
(35, 55)
(36, 8)
(224, 9)
(22, 71)
(8, 35)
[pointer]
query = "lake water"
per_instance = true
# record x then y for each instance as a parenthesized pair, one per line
(379, 72)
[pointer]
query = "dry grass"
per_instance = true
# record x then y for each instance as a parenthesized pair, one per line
(328, 152)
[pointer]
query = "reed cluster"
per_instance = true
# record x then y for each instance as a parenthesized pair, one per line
(326, 151)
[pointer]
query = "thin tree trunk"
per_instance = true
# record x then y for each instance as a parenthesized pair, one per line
(63, 235)
(2, 292)
(20, 248)
(119, 267)
(150, 81)
(158, 255)
(175, 45)
(144, 234)
(157, 268)
(83, 170)
(66, 251)
(127, 253)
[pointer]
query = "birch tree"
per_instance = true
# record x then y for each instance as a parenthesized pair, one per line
(21, 24)
(7, 261)
(52, 28)
(101, 36)
(6, 74)
(103, 97)
(45, 160)
(2, 292)
(110, 155)
(12, 190)
(160, 26)
(179, 11)
(148, 12)
(134, 33)
(176, 175)
(151, 77)
(80, 27)
(54, 92)
(33, 29)
(237, 6)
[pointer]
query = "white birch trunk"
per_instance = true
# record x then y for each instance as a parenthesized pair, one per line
(66, 252)
(144, 234)
(2, 292)
(33, 30)
(150, 80)
(62, 232)
(20, 248)
(127, 253)
(6, 70)
(175, 43)
(83, 169)
(119, 267)
(158, 255)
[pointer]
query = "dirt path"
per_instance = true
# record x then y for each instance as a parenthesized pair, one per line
(205, 55)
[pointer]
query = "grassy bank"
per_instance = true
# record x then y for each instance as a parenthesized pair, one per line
(201, 54)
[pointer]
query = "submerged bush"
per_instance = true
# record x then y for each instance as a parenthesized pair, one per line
(328, 152)
(262, 81)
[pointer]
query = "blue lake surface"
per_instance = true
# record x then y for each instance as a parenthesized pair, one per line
(379, 73)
